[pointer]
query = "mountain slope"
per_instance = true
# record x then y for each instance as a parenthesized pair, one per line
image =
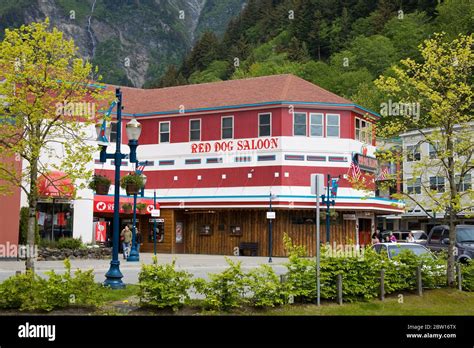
(131, 41)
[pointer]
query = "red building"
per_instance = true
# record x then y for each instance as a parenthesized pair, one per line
(217, 151)
(9, 217)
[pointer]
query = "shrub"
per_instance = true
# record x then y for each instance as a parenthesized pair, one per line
(162, 286)
(265, 287)
(46, 243)
(225, 290)
(30, 292)
(467, 272)
(70, 243)
(301, 276)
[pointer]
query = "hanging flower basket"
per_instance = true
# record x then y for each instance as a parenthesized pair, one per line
(141, 207)
(132, 183)
(127, 207)
(100, 184)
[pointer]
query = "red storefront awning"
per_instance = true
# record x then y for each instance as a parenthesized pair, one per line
(105, 204)
(56, 185)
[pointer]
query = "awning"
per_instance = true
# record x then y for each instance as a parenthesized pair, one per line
(105, 204)
(56, 185)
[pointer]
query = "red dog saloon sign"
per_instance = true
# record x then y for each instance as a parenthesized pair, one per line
(235, 145)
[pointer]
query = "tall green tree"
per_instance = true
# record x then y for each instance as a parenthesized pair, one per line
(443, 86)
(44, 82)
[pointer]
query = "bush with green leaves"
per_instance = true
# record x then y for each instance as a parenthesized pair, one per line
(301, 276)
(70, 243)
(225, 290)
(265, 288)
(30, 292)
(467, 271)
(162, 286)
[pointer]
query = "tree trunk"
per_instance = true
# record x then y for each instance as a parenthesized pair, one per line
(33, 202)
(452, 212)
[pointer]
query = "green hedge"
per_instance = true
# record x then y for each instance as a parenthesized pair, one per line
(30, 292)
(467, 272)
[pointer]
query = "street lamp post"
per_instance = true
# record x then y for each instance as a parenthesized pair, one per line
(114, 275)
(326, 200)
(134, 253)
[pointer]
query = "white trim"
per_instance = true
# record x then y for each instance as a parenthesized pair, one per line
(322, 124)
(293, 123)
(159, 132)
(200, 129)
(233, 126)
(258, 131)
(339, 125)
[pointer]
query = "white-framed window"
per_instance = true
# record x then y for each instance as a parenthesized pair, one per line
(227, 127)
(195, 130)
(165, 131)
(332, 125)
(437, 183)
(413, 153)
(432, 150)
(265, 124)
(358, 128)
(299, 123)
(316, 125)
(363, 131)
(414, 186)
(465, 184)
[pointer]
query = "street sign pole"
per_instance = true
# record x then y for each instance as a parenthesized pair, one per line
(317, 181)
(154, 223)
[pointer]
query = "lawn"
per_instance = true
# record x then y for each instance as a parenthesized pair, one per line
(433, 302)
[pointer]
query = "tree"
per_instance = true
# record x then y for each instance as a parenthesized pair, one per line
(442, 85)
(44, 86)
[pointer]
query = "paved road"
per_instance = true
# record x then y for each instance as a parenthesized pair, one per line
(199, 265)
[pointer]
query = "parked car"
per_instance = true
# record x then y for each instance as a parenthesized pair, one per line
(419, 235)
(438, 239)
(393, 249)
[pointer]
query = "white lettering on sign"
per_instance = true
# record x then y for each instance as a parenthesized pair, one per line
(237, 145)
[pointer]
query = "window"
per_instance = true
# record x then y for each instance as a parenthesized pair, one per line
(413, 153)
(332, 125)
(164, 132)
(195, 130)
(316, 125)
(227, 127)
(437, 183)
(363, 131)
(266, 158)
(264, 125)
(414, 186)
(358, 127)
(436, 234)
(465, 184)
(113, 132)
(299, 123)
(432, 150)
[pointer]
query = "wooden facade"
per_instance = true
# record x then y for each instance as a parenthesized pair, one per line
(221, 231)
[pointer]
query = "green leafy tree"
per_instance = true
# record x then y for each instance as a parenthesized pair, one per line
(442, 84)
(41, 69)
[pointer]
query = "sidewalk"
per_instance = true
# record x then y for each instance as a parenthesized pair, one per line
(198, 265)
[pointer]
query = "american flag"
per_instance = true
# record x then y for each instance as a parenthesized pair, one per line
(354, 170)
(140, 169)
(383, 174)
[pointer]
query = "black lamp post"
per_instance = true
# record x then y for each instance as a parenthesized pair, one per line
(113, 275)
(134, 253)
(325, 199)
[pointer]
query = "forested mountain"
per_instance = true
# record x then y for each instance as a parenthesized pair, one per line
(131, 41)
(341, 45)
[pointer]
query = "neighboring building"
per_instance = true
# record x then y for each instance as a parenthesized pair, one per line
(218, 150)
(417, 149)
(389, 180)
(9, 217)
